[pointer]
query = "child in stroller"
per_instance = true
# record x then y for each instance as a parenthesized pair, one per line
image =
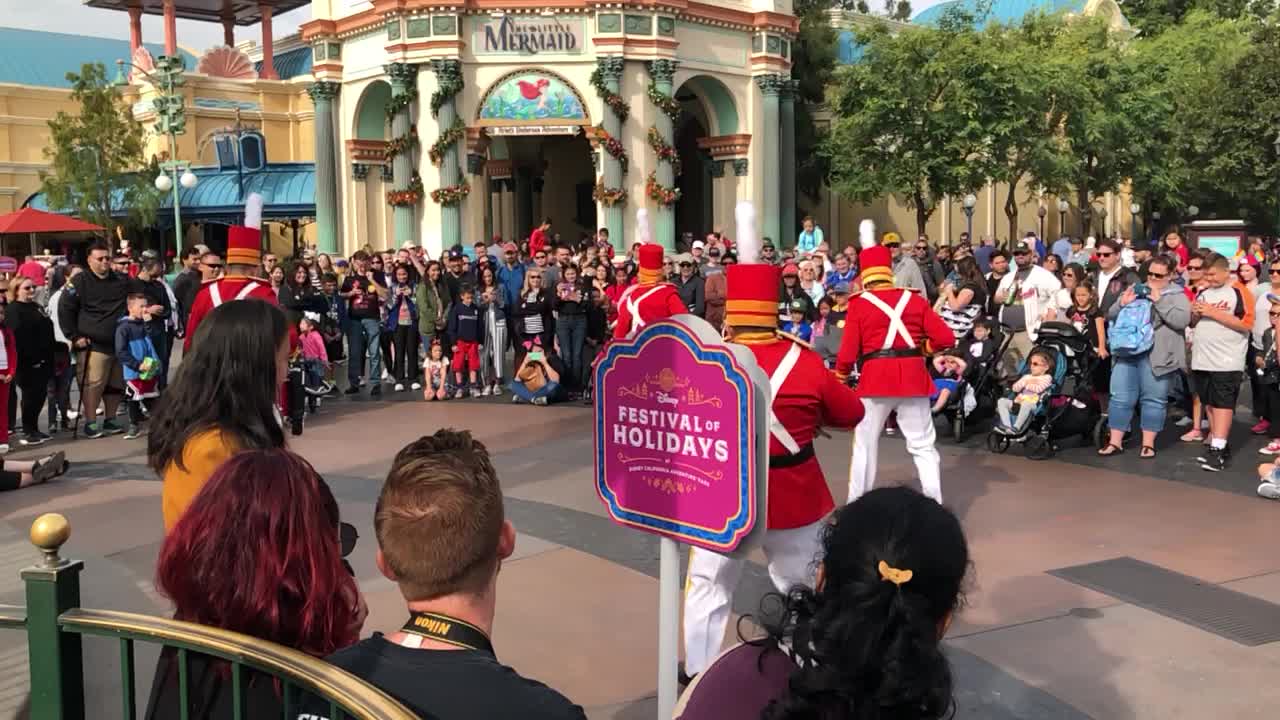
(1028, 393)
(948, 374)
(974, 397)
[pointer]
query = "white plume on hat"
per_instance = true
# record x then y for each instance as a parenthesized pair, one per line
(866, 233)
(642, 226)
(253, 211)
(748, 241)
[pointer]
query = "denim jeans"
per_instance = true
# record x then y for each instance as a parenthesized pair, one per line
(571, 333)
(1133, 384)
(362, 341)
(519, 390)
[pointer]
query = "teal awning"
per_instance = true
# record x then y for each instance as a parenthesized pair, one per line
(288, 190)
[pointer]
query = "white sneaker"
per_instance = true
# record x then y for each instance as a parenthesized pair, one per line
(416, 386)
(399, 387)
(1272, 448)
(1183, 421)
(72, 414)
(486, 391)
(386, 376)
(1270, 491)
(4, 448)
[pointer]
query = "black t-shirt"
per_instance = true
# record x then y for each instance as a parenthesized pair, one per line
(209, 691)
(365, 305)
(446, 684)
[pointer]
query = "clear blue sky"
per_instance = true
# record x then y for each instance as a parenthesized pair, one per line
(70, 16)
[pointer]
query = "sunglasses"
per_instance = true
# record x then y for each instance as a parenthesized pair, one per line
(1195, 268)
(1274, 271)
(1105, 254)
(1156, 275)
(347, 537)
(211, 265)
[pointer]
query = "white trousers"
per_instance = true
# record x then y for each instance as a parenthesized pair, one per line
(713, 578)
(915, 420)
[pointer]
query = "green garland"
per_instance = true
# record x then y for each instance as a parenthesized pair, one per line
(615, 102)
(401, 102)
(403, 144)
(665, 196)
(664, 102)
(451, 195)
(665, 152)
(448, 88)
(614, 147)
(408, 197)
(447, 140)
(608, 196)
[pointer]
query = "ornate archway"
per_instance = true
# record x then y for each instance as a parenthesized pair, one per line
(710, 115)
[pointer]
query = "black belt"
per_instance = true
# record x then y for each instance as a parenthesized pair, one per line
(777, 462)
(896, 353)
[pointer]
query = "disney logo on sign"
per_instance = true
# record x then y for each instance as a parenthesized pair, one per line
(665, 399)
(528, 37)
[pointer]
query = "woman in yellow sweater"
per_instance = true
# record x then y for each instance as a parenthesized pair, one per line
(222, 401)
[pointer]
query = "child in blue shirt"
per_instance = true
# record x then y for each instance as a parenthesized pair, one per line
(798, 326)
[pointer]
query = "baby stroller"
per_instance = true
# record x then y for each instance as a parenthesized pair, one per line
(1070, 408)
(974, 399)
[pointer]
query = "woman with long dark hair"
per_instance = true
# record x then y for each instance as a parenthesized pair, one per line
(491, 299)
(866, 641)
(298, 296)
(433, 300)
(33, 336)
(222, 401)
(258, 552)
(962, 297)
(402, 326)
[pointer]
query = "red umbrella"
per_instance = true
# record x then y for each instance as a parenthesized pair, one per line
(29, 220)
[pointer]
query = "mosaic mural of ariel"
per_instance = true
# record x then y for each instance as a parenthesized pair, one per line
(532, 96)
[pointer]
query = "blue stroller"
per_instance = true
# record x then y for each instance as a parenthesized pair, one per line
(1069, 408)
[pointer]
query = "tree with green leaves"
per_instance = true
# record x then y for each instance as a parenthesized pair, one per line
(909, 117)
(96, 156)
(813, 59)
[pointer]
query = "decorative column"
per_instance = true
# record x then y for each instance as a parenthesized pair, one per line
(406, 189)
(444, 152)
(661, 186)
(771, 89)
(229, 30)
(170, 28)
(268, 71)
(609, 192)
(322, 94)
(787, 163)
(135, 29)
(523, 203)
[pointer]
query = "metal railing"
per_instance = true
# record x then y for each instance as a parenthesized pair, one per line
(55, 624)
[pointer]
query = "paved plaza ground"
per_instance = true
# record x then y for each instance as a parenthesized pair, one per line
(578, 602)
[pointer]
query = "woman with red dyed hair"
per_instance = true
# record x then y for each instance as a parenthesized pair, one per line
(257, 552)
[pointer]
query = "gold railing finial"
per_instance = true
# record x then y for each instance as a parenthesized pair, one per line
(49, 532)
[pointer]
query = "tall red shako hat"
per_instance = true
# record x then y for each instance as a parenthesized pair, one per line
(244, 242)
(650, 271)
(751, 295)
(875, 262)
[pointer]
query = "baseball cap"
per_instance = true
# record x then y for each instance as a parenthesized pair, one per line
(841, 288)
(891, 239)
(509, 247)
(698, 245)
(456, 252)
(790, 269)
(797, 306)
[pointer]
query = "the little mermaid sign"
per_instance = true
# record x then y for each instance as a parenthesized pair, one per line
(680, 439)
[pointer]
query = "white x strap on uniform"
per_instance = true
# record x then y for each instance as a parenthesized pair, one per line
(633, 305)
(776, 380)
(216, 295)
(897, 328)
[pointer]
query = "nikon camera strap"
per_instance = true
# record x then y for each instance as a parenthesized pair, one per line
(448, 630)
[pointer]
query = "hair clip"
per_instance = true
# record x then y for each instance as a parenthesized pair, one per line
(894, 575)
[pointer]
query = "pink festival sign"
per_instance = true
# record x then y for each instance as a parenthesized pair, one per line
(676, 435)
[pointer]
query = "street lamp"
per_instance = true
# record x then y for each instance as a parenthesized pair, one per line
(1134, 209)
(170, 108)
(970, 201)
(1041, 211)
(1063, 206)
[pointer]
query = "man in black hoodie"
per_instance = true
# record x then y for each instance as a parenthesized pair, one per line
(88, 314)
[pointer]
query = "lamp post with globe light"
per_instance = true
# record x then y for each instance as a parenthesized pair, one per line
(1134, 209)
(1063, 206)
(1041, 212)
(970, 201)
(170, 109)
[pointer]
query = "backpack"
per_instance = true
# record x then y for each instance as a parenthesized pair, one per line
(1132, 334)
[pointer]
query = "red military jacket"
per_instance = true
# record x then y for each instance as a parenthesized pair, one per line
(229, 288)
(650, 302)
(867, 325)
(809, 398)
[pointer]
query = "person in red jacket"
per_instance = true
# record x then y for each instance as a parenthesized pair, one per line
(805, 397)
(244, 260)
(538, 239)
(887, 333)
(649, 299)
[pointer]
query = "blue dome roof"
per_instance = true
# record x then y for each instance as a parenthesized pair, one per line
(1007, 12)
(848, 51)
